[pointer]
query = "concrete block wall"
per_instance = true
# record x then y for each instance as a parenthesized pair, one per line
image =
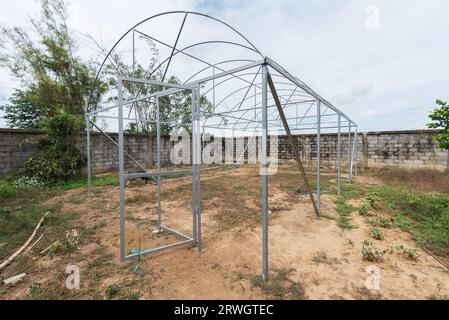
(307, 147)
(104, 153)
(16, 148)
(141, 147)
(405, 148)
(413, 148)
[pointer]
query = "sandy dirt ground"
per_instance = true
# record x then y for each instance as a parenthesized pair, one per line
(323, 259)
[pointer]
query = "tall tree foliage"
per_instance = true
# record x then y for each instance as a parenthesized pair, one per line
(440, 120)
(174, 108)
(55, 85)
(53, 78)
(58, 87)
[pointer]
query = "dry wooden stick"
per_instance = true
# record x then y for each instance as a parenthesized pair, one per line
(50, 246)
(25, 245)
(436, 258)
(33, 245)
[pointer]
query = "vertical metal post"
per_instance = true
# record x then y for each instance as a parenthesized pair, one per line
(297, 116)
(234, 143)
(264, 164)
(121, 166)
(356, 142)
(353, 151)
(255, 104)
(89, 164)
(198, 170)
(194, 161)
(134, 53)
(213, 92)
(318, 156)
(349, 154)
(339, 156)
(158, 150)
(203, 145)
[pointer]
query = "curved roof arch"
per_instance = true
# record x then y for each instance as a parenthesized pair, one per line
(198, 56)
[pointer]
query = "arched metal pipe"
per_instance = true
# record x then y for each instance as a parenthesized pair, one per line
(153, 17)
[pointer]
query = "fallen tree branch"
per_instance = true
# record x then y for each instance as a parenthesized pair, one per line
(33, 245)
(436, 258)
(25, 245)
(50, 246)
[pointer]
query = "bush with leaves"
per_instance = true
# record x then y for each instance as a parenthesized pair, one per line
(440, 120)
(59, 157)
(371, 253)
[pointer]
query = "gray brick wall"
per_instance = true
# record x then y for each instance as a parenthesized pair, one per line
(16, 148)
(414, 148)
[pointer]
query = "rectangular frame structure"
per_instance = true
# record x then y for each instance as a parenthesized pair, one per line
(158, 174)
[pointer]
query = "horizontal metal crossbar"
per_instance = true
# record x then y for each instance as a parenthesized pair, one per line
(176, 233)
(158, 249)
(157, 83)
(156, 174)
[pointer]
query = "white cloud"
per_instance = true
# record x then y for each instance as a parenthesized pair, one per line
(383, 79)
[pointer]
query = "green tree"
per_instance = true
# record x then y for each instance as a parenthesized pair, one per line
(53, 78)
(55, 85)
(59, 156)
(174, 108)
(440, 120)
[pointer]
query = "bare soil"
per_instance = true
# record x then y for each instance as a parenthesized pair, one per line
(323, 260)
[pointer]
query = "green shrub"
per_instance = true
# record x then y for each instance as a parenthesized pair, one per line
(376, 233)
(409, 253)
(59, 157)
(373, 199)
(370, 252)
(381, 222)
(112, 291)
(365, 208)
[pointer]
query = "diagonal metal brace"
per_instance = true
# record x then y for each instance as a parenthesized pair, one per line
(116, 145)
(292, 142)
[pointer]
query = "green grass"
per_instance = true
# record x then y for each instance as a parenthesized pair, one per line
(352, 190)
(7, 190)
(19, 216)
(279, 285)
(344, 211)
(425, 216)
(348, 191)
(20, 211)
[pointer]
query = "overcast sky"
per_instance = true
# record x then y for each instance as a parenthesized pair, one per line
(384, 73)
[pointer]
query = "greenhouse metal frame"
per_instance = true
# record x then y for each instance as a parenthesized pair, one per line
(276, 92)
